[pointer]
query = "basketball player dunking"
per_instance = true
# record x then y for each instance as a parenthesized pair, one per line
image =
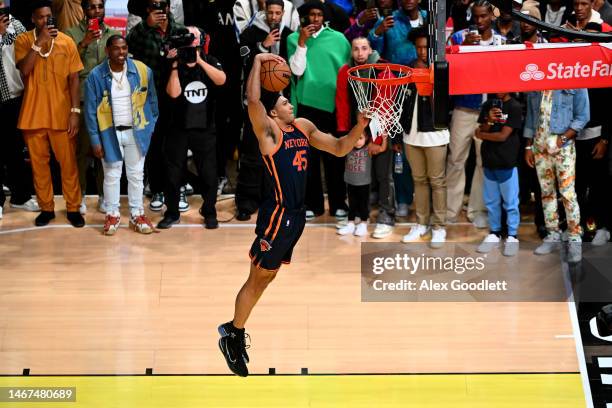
(284, 144)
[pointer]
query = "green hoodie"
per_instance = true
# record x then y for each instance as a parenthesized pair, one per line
(316, 88)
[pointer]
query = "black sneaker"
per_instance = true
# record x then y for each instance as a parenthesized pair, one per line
(76, 219)
(233, 347)
(43, 218)
(211, 223)
(168, 221)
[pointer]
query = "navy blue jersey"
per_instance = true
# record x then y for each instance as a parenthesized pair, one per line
(286, 169)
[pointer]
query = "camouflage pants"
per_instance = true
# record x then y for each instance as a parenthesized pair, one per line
(554, 170)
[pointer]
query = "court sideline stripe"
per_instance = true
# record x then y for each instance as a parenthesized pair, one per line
(221, 225)
(571, 304)
(290, 374)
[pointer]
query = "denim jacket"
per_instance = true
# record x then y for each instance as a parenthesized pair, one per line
(570, 109)
(99, 112)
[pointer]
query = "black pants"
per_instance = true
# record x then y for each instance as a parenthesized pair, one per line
(203, 145)
(154, 161)
(359, 202)
(334, 167)
(251, 185)
(18, 177)
(228, 111)
(592, 184)
(381, 171)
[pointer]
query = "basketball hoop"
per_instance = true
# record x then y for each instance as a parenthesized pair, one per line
(380, 91)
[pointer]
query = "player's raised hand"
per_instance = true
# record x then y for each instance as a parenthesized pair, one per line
(266, 56)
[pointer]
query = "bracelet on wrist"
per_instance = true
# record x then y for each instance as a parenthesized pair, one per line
(528, 147)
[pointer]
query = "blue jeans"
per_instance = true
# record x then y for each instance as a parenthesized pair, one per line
(501, 187)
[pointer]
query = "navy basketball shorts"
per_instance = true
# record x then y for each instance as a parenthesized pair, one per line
(278, 231)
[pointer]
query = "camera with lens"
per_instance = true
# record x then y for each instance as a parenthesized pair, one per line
(182, 41)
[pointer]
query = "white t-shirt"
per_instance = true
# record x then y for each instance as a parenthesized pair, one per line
(122, 98)
(425, 139)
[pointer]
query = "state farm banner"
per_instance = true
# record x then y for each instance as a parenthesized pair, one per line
(521, 68)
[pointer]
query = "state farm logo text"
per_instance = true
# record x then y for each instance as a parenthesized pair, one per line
(561, 71)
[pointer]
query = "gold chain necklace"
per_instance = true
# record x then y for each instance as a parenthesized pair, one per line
(46, 55)
(120, 81)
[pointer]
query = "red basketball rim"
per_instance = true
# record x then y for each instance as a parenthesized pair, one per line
(382, 67)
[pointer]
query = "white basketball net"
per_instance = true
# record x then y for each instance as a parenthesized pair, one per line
(381, 102)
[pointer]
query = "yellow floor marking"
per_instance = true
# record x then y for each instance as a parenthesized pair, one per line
(357, 391)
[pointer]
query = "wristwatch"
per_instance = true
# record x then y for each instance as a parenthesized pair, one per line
(563, 139)
(75, 110)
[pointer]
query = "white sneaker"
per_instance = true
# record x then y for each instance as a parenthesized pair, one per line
(7, 191)
(309, 215)
(550, 243)
(480, 221)
(183, 204)
(382, 231)
(341, 223)
(416, 233)
(347, 229)
(188, 188)
(402, 210)
(574, 251)
(511, 247)
(101, 205)
(491, 241)
(30, 205)
(83, 207)
(341, 214)
(362, 229)
(438, 238)
(1, 209)
(221, 185)
(157, 202)
(602, 236)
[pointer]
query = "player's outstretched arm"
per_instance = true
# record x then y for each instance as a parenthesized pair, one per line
(337, 146)
(263, 125)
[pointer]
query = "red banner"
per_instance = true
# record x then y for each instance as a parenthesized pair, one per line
(117, 23)
(521, 68)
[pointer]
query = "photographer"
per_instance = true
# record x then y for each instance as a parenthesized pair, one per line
(191, 79)
(148, 42)
(90, 36)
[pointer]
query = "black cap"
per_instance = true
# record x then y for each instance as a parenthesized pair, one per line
(305, 8)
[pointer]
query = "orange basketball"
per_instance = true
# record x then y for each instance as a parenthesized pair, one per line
(275, 76)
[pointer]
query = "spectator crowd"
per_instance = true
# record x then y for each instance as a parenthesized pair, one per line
(74, 90)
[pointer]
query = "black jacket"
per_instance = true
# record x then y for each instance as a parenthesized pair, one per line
(425, 122)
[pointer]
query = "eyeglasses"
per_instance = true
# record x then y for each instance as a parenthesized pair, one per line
(96, 7)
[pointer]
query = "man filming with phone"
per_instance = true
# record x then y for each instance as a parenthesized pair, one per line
(50, 114)
(148, 42)
(90, 37)
(192, 77)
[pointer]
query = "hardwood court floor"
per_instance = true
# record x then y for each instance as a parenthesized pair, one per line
(75, 302)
